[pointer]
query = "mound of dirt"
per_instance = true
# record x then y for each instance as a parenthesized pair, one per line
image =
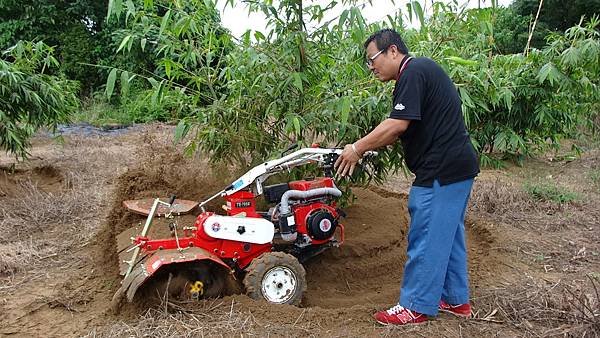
(162, 175)
(46, 177)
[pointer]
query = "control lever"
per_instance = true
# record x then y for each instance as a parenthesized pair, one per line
(172, 200)
(290, 148)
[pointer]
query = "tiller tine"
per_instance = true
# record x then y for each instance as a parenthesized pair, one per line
(148, 265)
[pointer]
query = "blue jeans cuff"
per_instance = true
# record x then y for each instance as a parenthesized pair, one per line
(455, 300)
(429, 310)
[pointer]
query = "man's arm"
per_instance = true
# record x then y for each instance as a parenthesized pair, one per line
(386, 133)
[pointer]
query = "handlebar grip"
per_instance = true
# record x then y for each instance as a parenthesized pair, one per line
(172, 200)
(369, 153)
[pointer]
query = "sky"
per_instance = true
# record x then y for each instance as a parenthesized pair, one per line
(238, 20)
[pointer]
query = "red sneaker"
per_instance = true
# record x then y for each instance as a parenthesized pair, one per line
(397, 315)
(461, 310)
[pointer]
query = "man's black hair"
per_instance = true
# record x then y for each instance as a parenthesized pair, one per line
(385, 38)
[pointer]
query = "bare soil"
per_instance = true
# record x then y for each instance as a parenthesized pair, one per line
(534, 265)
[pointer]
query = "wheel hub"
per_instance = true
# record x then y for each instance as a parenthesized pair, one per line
(279, 285)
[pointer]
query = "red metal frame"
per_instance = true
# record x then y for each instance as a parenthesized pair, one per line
(242, 252)
(319, 182)
(243, 202)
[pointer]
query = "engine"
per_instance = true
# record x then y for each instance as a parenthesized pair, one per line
(305, 215)
(306, 207)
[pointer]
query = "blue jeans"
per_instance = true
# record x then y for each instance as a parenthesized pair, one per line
(437, 257)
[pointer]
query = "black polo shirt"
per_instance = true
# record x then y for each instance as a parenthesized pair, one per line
(436, 143)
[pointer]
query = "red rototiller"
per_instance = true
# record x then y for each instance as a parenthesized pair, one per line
(263, 249)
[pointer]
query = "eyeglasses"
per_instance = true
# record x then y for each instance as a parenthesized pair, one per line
(372, 58)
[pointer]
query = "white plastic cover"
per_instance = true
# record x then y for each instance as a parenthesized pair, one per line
(241, 229)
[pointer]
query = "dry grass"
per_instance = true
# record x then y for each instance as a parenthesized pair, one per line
(567, 309)
(506, 197)
(20, 255)
(531, 310)
(508, 202)
(36, 225)
(216, 318)
(35, 210)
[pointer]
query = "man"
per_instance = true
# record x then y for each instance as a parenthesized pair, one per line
(426, 116)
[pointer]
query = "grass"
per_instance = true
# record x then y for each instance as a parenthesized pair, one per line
(207, 318)
(28, 220)
(99, 112)
(136, 107)
(47, 210)
(500, 197)
(544, 190)
(571, 308)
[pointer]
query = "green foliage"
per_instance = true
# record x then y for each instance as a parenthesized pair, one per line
(558, 15)
(511, 31)
(29, 98)
(185, 42)
(550, 192)
(97, 111)
(513, 24)
(134, 107)
(183, 48)
(515, 105)
(73, 28)
(299, 85)
(292, 86)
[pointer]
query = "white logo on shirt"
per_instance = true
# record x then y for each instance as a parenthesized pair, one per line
(399, 106)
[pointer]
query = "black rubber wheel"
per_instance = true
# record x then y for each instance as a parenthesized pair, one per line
(276, 277)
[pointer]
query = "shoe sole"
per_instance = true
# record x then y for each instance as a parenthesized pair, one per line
(456, 314)
(387, 324)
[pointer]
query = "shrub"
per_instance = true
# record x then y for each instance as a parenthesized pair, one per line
(29, 98)
(549, 191)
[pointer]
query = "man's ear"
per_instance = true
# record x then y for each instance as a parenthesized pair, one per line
(394, 50)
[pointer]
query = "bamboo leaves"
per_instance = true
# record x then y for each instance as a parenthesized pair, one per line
(294, 84)
(164, 22)
(126, 41)
(125, 80)
(30, 99)
(548, 72)
(297, 80)
(110, 83)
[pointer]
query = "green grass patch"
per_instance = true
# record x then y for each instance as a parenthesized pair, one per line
(136, 107)
(549, 191)
(99, 112)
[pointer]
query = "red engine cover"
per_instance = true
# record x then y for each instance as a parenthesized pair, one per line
(302, 212)
(319, 182)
